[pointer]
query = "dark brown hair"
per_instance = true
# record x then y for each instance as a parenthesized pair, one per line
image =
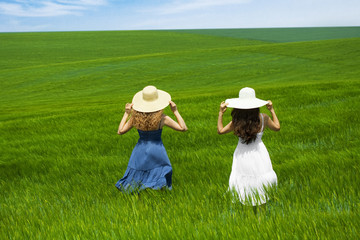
(246, 123)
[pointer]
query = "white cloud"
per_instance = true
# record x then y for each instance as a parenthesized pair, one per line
(21, 8)
(16, 25)
(181, 6)
(84, 2)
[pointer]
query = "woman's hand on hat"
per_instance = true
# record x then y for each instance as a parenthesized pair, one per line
(223, 106)
(128, 107)
(269, 105)
(173, 106)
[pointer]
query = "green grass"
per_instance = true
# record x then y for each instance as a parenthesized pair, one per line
(63, 95)
(281, 34)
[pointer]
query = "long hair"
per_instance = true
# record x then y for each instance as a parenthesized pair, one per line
(146, 121)
(246, 123)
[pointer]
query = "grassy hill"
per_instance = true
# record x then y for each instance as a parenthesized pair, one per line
(282, 34)
(63, 95)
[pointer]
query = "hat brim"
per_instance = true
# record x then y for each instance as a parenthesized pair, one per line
(151, 106)
(245, 103)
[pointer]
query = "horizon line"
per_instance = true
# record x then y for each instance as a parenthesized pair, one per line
(179, 29)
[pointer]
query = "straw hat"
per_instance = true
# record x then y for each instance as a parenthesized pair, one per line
(246, 100)
(150, 99)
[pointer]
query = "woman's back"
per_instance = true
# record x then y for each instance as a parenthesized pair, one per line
(153, 135)
(251, 168)
(259, 134)
(149, 165)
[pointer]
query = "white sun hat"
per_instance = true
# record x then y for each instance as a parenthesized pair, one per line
(150, 99)
(246, 100)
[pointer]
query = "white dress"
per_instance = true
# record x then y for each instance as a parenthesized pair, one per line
(252, 171)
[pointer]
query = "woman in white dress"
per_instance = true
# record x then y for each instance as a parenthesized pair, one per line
(251, 170)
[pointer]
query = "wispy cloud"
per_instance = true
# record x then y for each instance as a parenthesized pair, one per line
(18, 25)
(181, 6)
(50, 8)
(84, 2)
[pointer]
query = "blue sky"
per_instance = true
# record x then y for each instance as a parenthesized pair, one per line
(71, 15)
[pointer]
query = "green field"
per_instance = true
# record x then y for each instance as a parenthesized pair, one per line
(63, 95)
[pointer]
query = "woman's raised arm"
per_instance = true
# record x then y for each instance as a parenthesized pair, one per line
(125, 124)
(229, 127)
(180, 124)
(274, 123)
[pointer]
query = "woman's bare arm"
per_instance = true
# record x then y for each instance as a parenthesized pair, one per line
(273, 123)
(125, 124)
(221, 129)
(180, 124)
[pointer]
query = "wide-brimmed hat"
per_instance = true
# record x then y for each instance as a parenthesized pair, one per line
(150, 99)
(246, 100)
